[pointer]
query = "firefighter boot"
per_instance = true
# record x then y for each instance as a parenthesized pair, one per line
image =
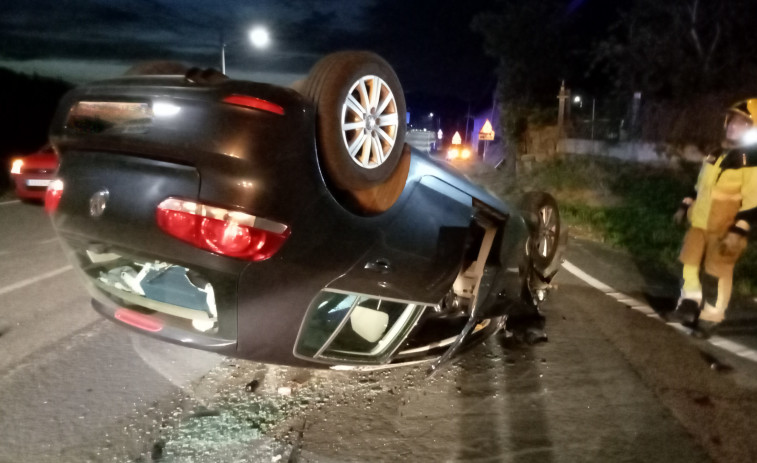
(685, 313)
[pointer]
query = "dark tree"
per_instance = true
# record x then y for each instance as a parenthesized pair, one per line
(689, 58)
(672, 50)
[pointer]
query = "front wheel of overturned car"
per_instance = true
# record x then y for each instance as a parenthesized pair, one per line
(546, 236)
(361, 125)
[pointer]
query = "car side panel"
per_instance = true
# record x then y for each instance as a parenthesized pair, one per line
(418, 254)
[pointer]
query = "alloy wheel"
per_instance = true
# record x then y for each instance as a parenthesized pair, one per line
(369, 121)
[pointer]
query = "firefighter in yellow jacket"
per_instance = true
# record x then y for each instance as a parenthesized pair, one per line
(721, 211)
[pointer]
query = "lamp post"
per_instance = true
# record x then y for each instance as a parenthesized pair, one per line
(579, 101)
(258, 37)
(563, 97)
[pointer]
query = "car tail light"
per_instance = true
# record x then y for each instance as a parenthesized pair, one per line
(255, 103)
(16, 166)
(230, 233)
(52, 195)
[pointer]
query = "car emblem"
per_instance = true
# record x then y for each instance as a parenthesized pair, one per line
(97, 203)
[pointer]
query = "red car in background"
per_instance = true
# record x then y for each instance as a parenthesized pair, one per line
(32, 173)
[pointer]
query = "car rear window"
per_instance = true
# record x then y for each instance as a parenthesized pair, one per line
(94, 117)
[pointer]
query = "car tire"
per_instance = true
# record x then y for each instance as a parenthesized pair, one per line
(545, 242)
(360, 110)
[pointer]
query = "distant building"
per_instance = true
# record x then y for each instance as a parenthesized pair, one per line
(423, 140)
(422, 128)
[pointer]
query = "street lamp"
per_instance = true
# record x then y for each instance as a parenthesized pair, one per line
(258, 37)
(579, 101)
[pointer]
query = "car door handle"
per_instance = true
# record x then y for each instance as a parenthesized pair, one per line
(380, 266)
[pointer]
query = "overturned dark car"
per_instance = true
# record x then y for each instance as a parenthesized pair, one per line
(290, 225)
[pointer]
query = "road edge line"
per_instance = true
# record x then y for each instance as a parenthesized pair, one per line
(31, 281)
(727, 345)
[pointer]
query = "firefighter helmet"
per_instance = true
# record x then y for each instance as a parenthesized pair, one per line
(744, 131)
(746, 108)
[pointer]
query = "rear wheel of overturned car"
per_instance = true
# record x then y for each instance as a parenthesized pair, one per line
(360, 118)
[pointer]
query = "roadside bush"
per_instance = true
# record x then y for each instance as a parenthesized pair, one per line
(627, 205)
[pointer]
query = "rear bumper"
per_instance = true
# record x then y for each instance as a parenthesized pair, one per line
(169, 330)
(194, 307)
(31, 186)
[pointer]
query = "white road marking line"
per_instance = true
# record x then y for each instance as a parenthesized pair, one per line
(13, 201)
(646, 310)
(678, 327)
(32, 280)
(37, 243)
(736, 348)
(591, 281)
(723, 343)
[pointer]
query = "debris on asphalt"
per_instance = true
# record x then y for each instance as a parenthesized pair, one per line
(157, 450)
(703, 401)
(204, 412)
(715, 363)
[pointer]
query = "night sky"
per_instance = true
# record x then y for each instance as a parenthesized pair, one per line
(430, 43)
(81, 40)
(84, 40)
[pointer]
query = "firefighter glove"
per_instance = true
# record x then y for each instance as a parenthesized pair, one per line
(731, 244)
(679, 218)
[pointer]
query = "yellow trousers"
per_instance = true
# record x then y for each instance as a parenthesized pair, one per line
(702, 249)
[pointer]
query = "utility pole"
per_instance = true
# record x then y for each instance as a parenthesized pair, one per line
(467, 119)
(563, 96)
(491, 118)
(635, 114)
(223, 54)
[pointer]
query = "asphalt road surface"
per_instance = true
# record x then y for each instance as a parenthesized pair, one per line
(69, 379)
(612, 384)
